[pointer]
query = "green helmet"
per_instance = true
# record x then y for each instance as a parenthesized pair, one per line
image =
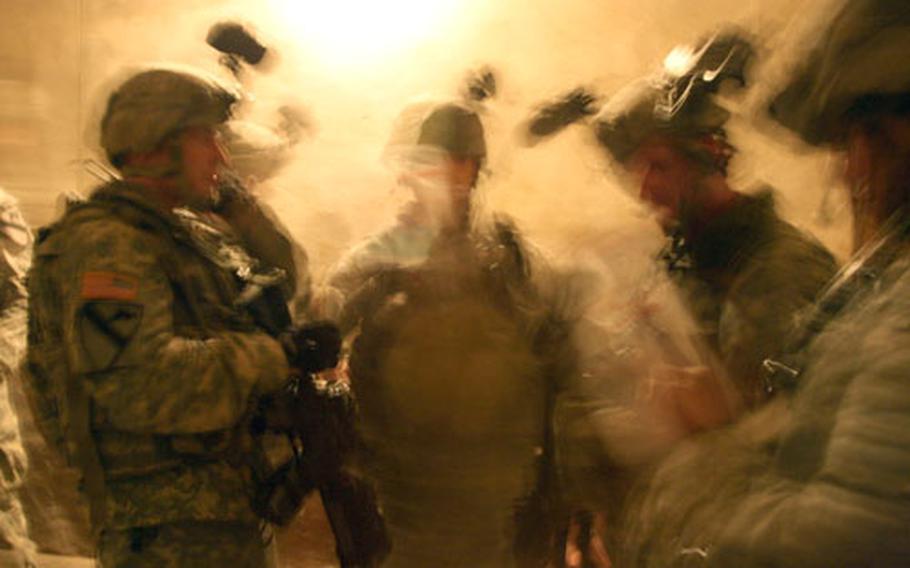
(456, 129)
(630, 118)
(677, 101)
(154, 104)
(863, 53)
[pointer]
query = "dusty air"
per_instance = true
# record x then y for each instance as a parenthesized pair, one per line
(456, 284)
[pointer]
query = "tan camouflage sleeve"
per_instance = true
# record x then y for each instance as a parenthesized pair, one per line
(143, 373)
(15, 252)
(759, 318)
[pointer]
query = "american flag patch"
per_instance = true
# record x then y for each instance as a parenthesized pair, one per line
(109, 286)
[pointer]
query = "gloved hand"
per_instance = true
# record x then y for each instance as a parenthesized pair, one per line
(481, 85)
(312, 347)
(233, 38)
(570, 108)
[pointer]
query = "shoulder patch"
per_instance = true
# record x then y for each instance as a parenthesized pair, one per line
(109, 286)
(106, 329)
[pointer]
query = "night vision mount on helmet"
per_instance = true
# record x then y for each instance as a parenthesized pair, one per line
(678, 99)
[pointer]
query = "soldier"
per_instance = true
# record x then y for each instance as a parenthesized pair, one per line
(457, 360)
(822, 483)
(745, 271)
(16, 246)
(143, 361)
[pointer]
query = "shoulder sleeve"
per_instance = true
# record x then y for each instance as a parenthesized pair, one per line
(758, 317)
(350, 274)
(852, 511)
(120, 336)
(15, 252)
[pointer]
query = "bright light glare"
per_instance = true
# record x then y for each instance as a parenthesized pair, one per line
(679, 61)
(361, 31)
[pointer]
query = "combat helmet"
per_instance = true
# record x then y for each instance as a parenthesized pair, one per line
(677, 101)
(153, 104)
(861, 57)
(455, 129)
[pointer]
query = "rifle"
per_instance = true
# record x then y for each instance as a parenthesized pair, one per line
(541, 522)
(545, 518)
(317, 417)
(542, 518)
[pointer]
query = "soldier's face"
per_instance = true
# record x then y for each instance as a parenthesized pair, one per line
(666, 178)
(877, 170)
(201, 156)
(461, 176)
(445, 186)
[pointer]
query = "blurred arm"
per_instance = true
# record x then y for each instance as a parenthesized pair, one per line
(143, 373)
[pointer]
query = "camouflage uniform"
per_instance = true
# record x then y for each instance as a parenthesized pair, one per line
(746, 272)
(457, 354)
(143, 369)
(820, 479)
(15, 243)
(460, 350)
(816, 481)
(749, 275)
(16, 239)
(185, 544)
(743, 274)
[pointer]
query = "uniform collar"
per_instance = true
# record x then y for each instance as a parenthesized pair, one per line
(137, 196)
(730, 238)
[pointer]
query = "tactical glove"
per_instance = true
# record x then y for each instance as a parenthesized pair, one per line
(312, 347)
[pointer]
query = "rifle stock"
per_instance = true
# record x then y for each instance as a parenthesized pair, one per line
(318, 419)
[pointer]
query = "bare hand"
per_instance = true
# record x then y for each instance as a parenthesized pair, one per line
(691, 398)
(590, 553)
